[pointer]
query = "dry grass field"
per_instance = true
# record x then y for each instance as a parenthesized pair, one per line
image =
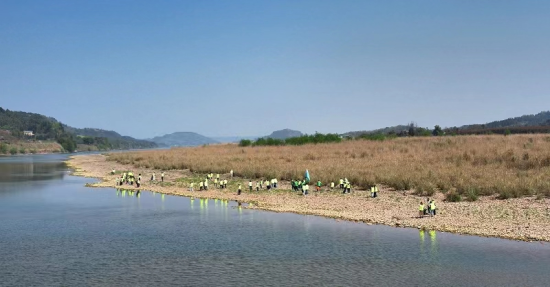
(462, 167)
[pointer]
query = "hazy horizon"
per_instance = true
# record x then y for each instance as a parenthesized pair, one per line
(248, 68)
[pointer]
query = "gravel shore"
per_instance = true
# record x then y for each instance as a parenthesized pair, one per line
(526, 219)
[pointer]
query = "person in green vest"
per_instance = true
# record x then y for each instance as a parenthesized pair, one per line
(318, 186)
(374, 191)
(257, 185)
(432, 207)
(191, 186)
(162, 176)
(267, 185)
(341, 181)
(225, 183)
(332, 185)
(201, 184)
(239, 190)
(421, 210)
(250, 185)
(275, 183)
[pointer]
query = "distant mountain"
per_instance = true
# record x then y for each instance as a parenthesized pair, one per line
(116, 140)
(284, 134)
(394, 129)
(540, 119)
(232, 139)
(183, 139)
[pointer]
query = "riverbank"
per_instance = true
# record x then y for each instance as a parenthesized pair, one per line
(30, 147)
(525, 218)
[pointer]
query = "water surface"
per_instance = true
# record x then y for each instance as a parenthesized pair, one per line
(56, 232)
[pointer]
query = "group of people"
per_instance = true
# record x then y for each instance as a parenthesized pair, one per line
(128, 178)
(154, 178)
(203, 184)
(427, 208)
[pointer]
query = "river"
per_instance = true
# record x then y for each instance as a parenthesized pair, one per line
(54, 231)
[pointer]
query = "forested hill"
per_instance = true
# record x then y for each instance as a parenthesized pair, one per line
(540, 119)
(43, 127)
(47, 128)
(116, 141)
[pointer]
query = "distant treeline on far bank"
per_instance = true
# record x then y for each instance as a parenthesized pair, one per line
(411, 131)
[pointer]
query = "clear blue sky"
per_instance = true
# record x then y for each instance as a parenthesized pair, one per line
(246, 68)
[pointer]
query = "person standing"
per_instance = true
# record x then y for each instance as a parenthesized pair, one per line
(239, 190)
(206, 184)
(191, 186)
(421, 210)
(250, 185)
(201, 185)
(162, 176)
(257, 185)
(332, 185)
(231, 172)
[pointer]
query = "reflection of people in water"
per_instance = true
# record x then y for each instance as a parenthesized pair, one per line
(432, 236)
(421, 232)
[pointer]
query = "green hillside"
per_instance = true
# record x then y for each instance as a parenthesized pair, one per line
(49, 129)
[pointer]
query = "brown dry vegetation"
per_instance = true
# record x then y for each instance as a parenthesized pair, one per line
(24, 147)
(462, 167)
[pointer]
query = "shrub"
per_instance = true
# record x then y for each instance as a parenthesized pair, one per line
(13, 150)
(3, 148)
(33, 151)
(453, 197)
(472, 194)
(245, 143)
(22, 150)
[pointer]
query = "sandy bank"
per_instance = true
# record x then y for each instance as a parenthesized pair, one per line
(519, 219)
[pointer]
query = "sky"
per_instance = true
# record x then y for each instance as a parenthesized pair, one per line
(247, 68)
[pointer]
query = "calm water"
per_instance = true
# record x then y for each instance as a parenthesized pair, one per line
(56, 232)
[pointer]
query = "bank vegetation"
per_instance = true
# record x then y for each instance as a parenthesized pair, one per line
(461, 167)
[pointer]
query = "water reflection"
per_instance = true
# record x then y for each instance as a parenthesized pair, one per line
(31, 171)
(64, 232)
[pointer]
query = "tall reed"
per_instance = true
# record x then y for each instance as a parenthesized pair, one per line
(510, 166)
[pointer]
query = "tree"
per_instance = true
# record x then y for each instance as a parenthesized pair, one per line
(412, 129)
(437, 131)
